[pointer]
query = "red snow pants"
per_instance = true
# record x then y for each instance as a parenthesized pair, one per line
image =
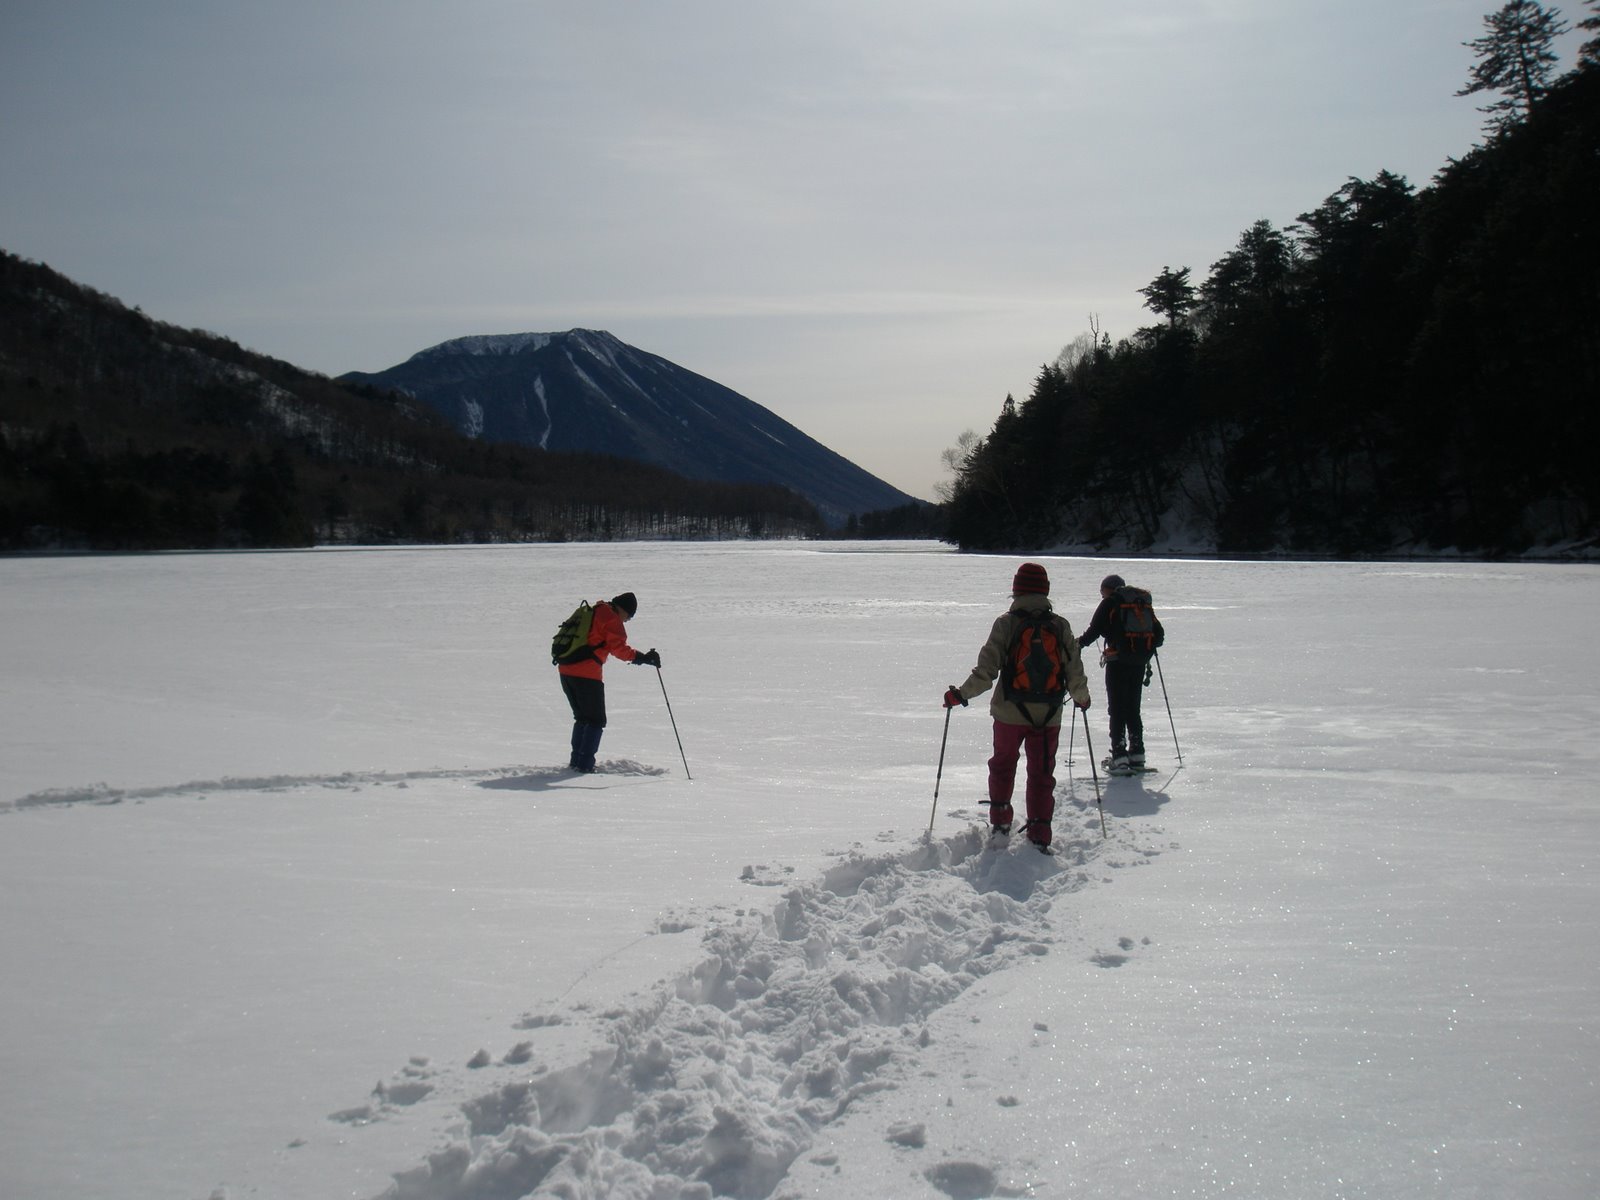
(1009, 742)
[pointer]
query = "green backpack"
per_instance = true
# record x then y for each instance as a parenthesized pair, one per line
(571, 643)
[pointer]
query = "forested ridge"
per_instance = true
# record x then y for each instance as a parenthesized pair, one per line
(1397, 371)
(120, 432)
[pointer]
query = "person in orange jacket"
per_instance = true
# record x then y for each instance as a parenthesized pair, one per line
(583, 683)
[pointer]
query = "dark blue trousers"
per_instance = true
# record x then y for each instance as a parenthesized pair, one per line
(587, 698)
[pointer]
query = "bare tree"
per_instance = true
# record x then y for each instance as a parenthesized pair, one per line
(955, 460)
(1075, 352)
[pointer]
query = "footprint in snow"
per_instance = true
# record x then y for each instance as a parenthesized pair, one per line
(963, 1180)
(765, 876)
(411, 1087)
(1102, 958)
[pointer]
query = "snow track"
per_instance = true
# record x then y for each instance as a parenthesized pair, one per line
(507, 778)
(719, 1079)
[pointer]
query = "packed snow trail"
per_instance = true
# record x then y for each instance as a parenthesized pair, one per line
(718, 1080)
(522, 778)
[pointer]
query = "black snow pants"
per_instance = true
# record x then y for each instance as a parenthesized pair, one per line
(1124, 691)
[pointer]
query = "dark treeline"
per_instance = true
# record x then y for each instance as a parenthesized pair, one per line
(118, 432)
(919, 519)
(1397, 370)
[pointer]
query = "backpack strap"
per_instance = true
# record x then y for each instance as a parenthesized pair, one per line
(1039, 726)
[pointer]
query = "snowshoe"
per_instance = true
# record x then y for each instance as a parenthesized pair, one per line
(1124, 766)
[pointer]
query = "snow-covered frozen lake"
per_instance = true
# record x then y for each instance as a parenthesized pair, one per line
(300, 901)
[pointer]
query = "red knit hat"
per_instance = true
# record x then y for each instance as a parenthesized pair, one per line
(1032, 579)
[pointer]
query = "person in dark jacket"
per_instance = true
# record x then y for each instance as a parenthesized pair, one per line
(1018, 724)
(1126, 667)
(583, 681)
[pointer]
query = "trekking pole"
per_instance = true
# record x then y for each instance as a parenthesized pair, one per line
(674, 721)
(1089, 746)
(1054, 748)
(1072, 734)
(1170, 721)
(940, 774)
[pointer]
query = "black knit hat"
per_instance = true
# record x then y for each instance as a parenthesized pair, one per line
(1111, 583)
(627, 602)
(1030, 579)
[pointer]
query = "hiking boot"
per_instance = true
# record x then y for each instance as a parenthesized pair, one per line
(1120, 765)
(1001, 830)
(1039, 834)
(1136, 759)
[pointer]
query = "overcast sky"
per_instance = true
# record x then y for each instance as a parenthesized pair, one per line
(874, 218)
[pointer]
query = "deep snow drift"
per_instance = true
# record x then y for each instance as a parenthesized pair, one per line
(300, 902)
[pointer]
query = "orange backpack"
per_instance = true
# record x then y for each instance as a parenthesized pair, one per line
(1035, 668)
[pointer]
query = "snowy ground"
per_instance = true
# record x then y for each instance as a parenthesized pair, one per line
(299, 903)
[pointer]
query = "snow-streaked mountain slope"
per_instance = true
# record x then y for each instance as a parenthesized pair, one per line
(585, 390)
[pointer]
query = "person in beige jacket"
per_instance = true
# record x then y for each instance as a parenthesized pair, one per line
(1026, 718)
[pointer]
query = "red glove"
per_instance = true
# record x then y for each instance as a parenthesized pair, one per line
(954, 697)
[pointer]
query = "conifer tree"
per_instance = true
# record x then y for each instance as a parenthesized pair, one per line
(1169, 295)
(1589, 52)
(1516, 56)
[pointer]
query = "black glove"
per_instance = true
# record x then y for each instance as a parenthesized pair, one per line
(954, 697)
(648, 659)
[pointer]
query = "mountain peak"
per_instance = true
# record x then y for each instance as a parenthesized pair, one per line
(586, 391)
(506, 344)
